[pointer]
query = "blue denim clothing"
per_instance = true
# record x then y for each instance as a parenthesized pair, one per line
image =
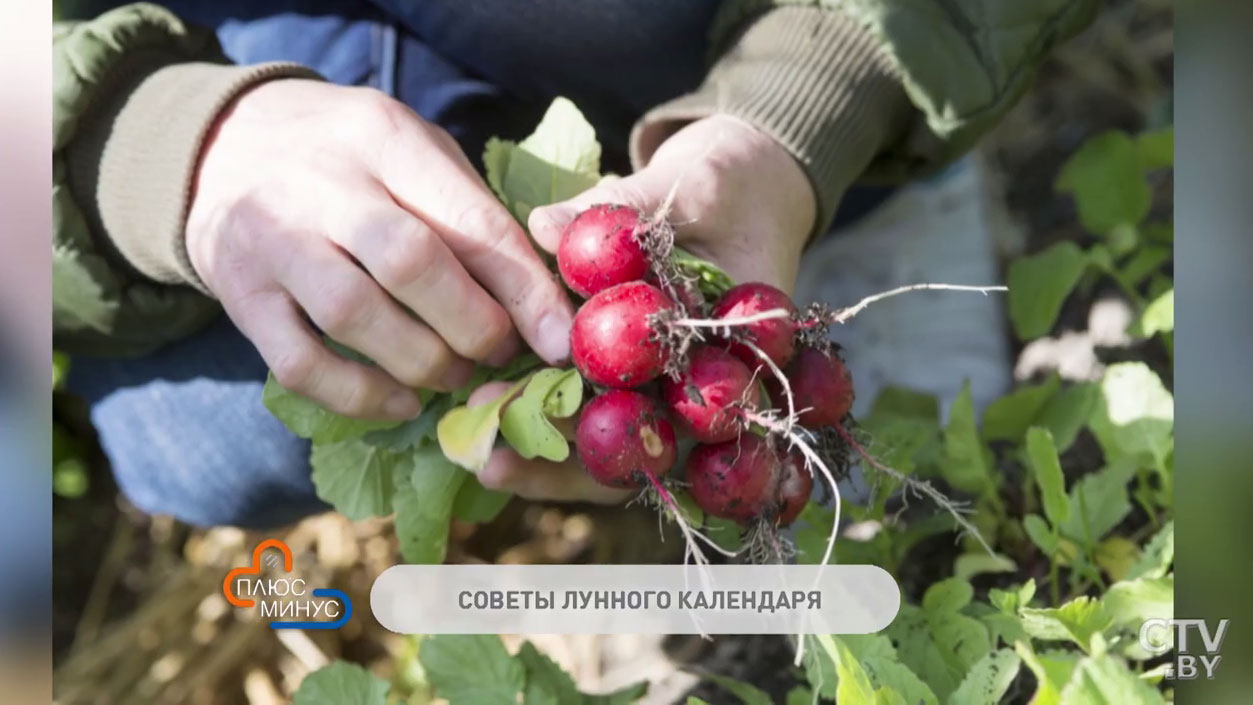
(184, 428)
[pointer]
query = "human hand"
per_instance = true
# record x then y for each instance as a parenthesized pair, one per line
(742, 202)
(343, 206)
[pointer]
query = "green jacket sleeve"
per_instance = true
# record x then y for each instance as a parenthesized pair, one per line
(880, 89)
(135, 91)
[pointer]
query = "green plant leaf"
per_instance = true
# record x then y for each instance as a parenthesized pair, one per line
(968, 565)
(965, 464)
(875, 654)
(904, 426)
(1009, 601)
(60, 368)
(1134, 416)
(423, 504)
(1007, 418)
(1106, 681)
(799, 696)
(1158, 555)
(1098, 502)
(1046, 468)
(525, 422)
(1039, 285)
(937, 641)
(1116, 555)
(308, 420)
(467, 434)
(1076, 621)
(1052, 670)
(746, 693)
(1002, 627)
(1107, 180)
(949, 595)
(853, 683)
(339, 683)
(546, 682)
(1067, 412)
(356, 478)
(1040, 534)
(472, 669)
(476, 503)
(710, 278)
(1130, 603)
(412, 433)
(1146, 261)
(886, 670)
(1158, 316)
(565, 396)
(1156, 148)
(988, 679)
(558, 161)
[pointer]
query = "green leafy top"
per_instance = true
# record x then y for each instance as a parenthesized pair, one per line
(558, 161)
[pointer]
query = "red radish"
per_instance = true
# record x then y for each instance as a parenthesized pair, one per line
(774, 336)
(599, 249)
(703, 398)
(796, 484)
(622, 437)
(612, 342)
(733, 480)
(819, 381)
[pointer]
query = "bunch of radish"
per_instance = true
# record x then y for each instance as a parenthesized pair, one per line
(743, 375)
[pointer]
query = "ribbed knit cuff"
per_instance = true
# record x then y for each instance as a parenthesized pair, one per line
(814, 80)
(132, 166)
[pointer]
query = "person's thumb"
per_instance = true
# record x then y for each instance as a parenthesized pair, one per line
(548, 222)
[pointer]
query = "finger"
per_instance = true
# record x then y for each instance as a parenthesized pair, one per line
(488, 242)
(352, 309)
(641, 191)
(487, 392)
(302, 363)
(544, 480)
(412, 263)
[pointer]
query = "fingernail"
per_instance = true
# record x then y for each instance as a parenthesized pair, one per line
(402, 404)
(554, 336)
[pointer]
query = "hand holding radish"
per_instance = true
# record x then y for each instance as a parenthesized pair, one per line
(342, 206)
(739, 200)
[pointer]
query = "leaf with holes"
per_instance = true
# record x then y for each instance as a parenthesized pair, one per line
(988, 680)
